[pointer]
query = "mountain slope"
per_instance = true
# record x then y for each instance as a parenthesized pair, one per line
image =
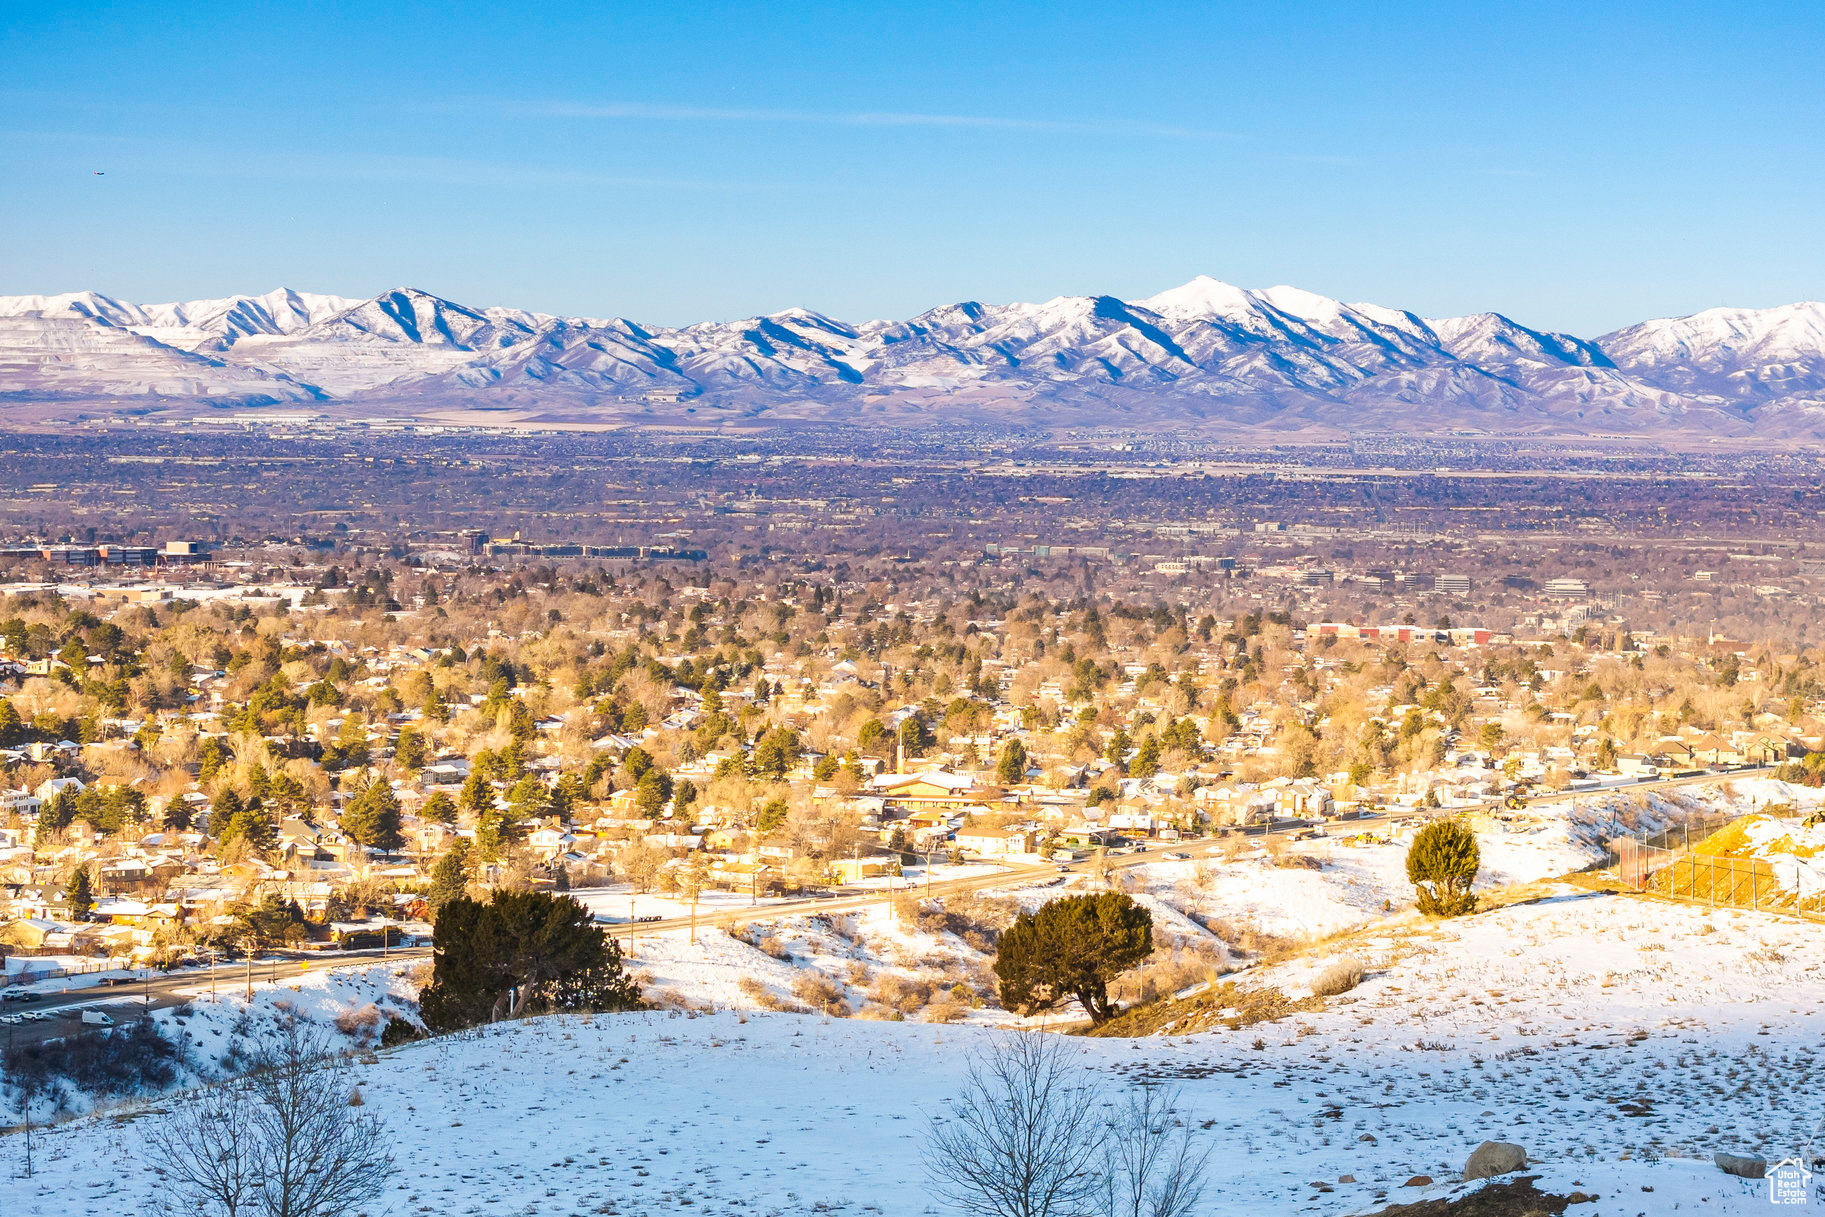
(1205, 354)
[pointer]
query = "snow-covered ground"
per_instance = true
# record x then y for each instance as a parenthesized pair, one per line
(1364, 877)
(1620, 1040)
(769, 1113)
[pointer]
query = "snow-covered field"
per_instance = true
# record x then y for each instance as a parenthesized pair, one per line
(770, 1113)
(1620, 1040)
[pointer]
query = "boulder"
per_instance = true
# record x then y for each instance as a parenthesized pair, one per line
(1493, 1158)
(1743, 1166)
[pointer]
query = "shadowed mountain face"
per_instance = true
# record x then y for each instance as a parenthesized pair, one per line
(1206, 356)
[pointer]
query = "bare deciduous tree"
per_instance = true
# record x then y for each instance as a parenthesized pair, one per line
(203, 1154)
(1025, 1136)
(318, 1156)
(283, 1141)
(1152, 1164)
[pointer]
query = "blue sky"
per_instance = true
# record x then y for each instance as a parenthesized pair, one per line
(1576, 169)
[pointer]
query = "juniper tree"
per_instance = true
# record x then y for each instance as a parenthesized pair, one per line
(1072, 948)
(1442, 864)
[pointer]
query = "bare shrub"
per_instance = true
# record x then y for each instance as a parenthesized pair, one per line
(977, 919)
(124, 1059)
(944, 1008)
(362, 1025)
(879, 1014)
(766, 998)
(1028, 1137)
(666, 999)
(902, 993)
(204, 1158)
(906, 909)
(771, 945)
(1166, 973)
(1247, 938)
(820, 993)
(1340, 977)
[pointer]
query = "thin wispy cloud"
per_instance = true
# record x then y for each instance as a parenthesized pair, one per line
(637, 111)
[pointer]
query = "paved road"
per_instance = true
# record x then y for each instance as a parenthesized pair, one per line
(162, 990)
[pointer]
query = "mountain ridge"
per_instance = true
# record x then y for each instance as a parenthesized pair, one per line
(1203, 355)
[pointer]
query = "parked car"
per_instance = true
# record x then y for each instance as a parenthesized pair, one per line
(96, 1018)
(1178, 856)
(12, 1020)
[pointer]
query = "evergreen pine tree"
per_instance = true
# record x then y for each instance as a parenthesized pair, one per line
(1146, 758)
(80, 892)
(252, 825)
(477, 795)
(449, 877)
(1011, 769)
(439, 807)
(410, 750)
(222, 812)
(372, 817)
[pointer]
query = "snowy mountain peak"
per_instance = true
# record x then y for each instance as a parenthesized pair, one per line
(1719, 336)
(91, 305)
(1203, 354)
(1203, 297)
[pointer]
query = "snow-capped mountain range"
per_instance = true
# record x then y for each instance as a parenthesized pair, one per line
(1202, 355)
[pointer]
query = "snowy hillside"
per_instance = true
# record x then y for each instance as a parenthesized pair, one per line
(1334, 1113)
(1620, 1041)
(1205, 354)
